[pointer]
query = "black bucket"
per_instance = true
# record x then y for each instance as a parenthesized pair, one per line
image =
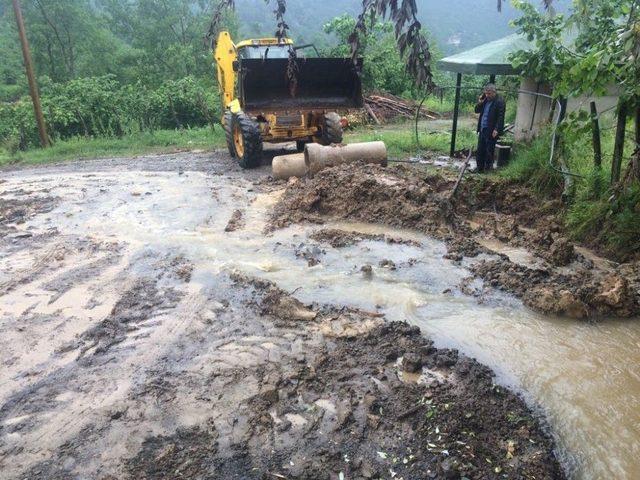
(504, 154)
(322, 84)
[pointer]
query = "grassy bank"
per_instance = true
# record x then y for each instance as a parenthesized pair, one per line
(161, 141)
(400, 139)
(595, 216)
(435, 137)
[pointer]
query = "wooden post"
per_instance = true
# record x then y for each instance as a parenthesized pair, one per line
(635, 162)
(618, 149)
(595, 130)
(28, 65)
(33, 86)
(535, 107)
(637, 123)
(456, 111)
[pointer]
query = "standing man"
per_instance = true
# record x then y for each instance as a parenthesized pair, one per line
(491, 108)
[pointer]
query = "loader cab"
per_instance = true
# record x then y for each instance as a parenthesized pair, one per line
(260, 52)
(263, 49)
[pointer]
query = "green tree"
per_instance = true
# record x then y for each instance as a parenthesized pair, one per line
(604, 52)
(11, 70)
(384, 68)
(167, 34)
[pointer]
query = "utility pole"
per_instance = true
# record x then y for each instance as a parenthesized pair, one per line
(33, 86)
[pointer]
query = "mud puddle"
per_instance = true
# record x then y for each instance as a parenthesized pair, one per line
(172, 229)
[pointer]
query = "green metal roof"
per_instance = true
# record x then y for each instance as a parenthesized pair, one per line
(489, 59)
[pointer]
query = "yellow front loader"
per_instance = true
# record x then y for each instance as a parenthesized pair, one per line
(260, 104)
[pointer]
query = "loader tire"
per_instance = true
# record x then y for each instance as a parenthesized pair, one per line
(331, 129)
(247, 141)
(226, 124)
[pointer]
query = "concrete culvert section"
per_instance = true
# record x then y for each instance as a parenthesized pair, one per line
(287, 166)
(176, 314)
(319, 157)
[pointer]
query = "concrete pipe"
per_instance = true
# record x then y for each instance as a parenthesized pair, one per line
(318, 158)
(287, 166)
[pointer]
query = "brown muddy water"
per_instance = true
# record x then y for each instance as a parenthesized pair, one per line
(585, 377)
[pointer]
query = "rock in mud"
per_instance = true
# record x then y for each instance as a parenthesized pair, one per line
(546, 300)
(367, 272)
(412, 363)
(388, 264)
(311, 253)
(614, 292)
(558, 252)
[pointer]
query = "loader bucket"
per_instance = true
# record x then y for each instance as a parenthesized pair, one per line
(322, 84)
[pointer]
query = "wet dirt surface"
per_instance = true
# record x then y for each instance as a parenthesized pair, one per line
(408, 198)
(150, 329)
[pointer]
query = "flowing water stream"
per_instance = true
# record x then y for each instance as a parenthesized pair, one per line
(586, 377)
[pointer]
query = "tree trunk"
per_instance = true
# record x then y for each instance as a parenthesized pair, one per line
(174, 114)
(618, 150)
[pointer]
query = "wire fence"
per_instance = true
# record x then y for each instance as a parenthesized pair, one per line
(559, 112)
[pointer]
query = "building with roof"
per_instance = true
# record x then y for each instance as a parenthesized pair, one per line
(534, 108)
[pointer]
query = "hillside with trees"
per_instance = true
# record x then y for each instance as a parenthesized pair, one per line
(456, 25)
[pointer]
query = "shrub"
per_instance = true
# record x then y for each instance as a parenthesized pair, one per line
(101, 107)
(530, 165)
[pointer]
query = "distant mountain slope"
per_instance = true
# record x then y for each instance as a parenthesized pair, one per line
(455, 24)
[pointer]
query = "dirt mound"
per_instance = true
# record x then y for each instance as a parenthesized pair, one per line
(407, 198)
(368, 193)
(364, 405)
(187, 454)
(456, 423)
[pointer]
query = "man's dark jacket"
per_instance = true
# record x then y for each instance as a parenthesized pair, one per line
(496, 114)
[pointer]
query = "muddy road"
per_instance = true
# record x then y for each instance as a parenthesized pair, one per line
(175, 317)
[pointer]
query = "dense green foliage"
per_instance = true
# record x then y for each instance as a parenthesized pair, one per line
(589, 52)
(110, 67)
(594, 215)
(383, 67)
(137, 40)
(107, 68)
(101, 106)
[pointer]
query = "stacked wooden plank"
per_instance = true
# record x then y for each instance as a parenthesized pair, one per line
(382, 107)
